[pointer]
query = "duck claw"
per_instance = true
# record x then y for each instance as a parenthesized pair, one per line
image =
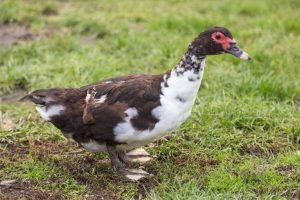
(138, 155)
(134, 174)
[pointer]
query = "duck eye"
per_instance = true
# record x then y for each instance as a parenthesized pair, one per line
(218, 36)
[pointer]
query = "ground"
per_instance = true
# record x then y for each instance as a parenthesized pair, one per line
(241, 141)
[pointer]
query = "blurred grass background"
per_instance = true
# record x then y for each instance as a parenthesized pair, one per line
(242, 140)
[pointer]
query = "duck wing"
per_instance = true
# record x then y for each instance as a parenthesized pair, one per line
(67, 108)
(110, 104)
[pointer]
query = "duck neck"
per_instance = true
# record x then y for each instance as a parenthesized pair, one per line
(183, 81)
(190, 62)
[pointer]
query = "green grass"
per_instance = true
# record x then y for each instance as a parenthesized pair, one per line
(242, 140)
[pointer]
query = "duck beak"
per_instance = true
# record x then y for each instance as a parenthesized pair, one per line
(236, 51)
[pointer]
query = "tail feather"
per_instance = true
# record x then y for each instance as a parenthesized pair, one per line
(42, 97)
(25, 98)
(35, 99)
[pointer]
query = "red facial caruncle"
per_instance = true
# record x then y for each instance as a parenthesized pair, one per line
(220, 38)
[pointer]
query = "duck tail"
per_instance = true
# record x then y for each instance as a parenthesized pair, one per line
(42, 97)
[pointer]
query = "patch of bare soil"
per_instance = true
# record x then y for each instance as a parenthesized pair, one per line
(98, 197)
(25, 190)
(90, 170)
(258, 150)
(11, 34)
(49, 11)
(285, 169)
(251, 149)
(43, 148)
(6, 122)
(68, 156)
(13, 153)
(38, 149)
(295, 194)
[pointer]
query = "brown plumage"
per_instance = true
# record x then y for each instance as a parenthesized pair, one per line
(89, 119)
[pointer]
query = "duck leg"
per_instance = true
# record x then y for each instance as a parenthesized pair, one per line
(130, 174)
(115, 161)
(123, 157)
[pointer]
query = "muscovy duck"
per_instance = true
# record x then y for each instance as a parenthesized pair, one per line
(123, 113)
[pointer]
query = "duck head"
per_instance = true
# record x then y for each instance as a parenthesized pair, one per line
(217, 40)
